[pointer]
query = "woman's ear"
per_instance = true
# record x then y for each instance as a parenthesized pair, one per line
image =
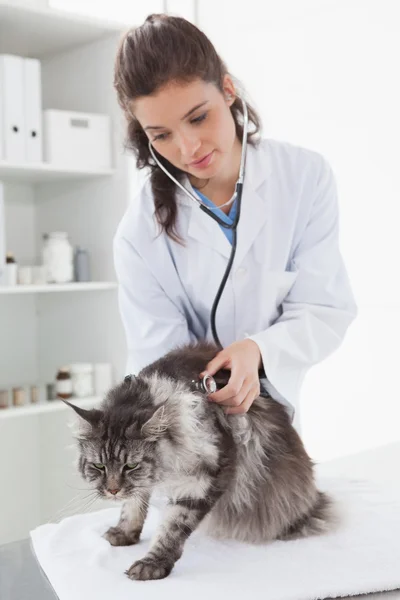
(229, 90)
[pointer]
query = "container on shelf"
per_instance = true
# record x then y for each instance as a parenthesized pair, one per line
(64, 383)
(82, 379)
(81, 264)
(58, 257)
(4, 403)
(77, 139)
(51, 393)
(39, 275)
(9, 277)
(25, 275)
(18, 396)
(34, 394)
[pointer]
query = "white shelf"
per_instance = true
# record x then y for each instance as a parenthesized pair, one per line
(42, 172)
(37, 32)
(48, 407)
(91, 286)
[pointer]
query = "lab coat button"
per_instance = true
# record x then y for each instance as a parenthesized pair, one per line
(241, 272)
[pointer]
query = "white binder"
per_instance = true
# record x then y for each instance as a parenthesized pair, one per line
(1, 118)
(2, 233)
(33, 110)
(12, 90)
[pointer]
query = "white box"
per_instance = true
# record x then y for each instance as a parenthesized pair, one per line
(73, 139)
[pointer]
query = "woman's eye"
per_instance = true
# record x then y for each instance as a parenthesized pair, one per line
(161, 136)
(131, 466)
(99, 466)
(199, 119)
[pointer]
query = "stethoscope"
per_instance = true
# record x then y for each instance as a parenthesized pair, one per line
(238, 196)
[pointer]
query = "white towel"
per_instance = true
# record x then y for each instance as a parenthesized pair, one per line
(362, 556)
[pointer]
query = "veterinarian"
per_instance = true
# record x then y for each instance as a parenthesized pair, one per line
(286, 303)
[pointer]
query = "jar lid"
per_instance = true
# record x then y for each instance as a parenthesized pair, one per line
(81, 368)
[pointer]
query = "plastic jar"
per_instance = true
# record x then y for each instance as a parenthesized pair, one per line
(3, 398)
(18, 396)
(63, 383)
(81, 264)
(82, 379)
(9, 276)
(58, 257)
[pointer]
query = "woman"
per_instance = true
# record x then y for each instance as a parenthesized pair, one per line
(287, 303)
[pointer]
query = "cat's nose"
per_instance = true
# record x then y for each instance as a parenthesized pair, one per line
(114, 491)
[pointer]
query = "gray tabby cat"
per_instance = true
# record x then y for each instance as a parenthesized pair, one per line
(244, 477)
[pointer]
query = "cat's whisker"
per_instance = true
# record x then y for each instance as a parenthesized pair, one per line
(63, 512)
(85, 508)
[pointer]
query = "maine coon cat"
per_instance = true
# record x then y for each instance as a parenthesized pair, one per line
(245, 477)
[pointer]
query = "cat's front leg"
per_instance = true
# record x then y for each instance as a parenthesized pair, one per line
(182, 518)
(130, 525)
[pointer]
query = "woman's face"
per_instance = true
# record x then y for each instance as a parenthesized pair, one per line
(191, 125)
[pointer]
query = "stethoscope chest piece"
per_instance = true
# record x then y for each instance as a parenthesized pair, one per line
(206, 385)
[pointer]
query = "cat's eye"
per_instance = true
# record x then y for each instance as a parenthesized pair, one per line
(131, 466)
(99, 466)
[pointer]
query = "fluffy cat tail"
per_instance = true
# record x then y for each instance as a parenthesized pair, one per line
(321, 519)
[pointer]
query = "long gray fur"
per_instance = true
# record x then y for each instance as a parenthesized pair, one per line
(244, 477)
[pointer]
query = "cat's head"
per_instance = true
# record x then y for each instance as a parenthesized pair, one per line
(118, 445)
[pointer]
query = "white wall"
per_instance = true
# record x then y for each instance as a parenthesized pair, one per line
(18, 327)
(323, 75)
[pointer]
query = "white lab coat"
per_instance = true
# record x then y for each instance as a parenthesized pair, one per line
(288, 289)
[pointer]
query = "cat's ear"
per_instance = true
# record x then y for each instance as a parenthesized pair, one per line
(156, 426)
(93, 416)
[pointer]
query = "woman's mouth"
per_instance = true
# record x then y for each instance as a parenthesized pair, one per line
(204, 162)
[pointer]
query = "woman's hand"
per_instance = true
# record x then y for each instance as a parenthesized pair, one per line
(243, 359)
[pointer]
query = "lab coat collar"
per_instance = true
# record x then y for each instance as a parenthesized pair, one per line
(253, 210)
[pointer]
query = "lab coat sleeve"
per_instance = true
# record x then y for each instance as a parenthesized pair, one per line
(153, 324)
(319, 307)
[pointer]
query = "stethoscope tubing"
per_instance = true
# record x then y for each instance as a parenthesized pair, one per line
(233, 226)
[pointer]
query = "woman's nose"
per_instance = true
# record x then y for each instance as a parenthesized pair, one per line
(188, 147)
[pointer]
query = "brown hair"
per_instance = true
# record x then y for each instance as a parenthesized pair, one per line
(161, 50)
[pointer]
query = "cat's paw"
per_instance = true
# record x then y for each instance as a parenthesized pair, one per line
(148, 568)
(118, 537)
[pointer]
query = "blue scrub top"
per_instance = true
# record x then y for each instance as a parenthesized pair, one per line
(229, 218)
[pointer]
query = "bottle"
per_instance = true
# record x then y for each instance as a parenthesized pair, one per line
(81, 264)
(18, 396)
(34, 393)
(82, 379)
(3, 399)
(10, 270)
(58, 257)
(51, 391)
(63, 383)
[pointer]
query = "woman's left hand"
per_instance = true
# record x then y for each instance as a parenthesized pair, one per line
(243, 359)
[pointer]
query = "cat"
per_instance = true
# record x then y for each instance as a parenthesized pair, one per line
(244, 477)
